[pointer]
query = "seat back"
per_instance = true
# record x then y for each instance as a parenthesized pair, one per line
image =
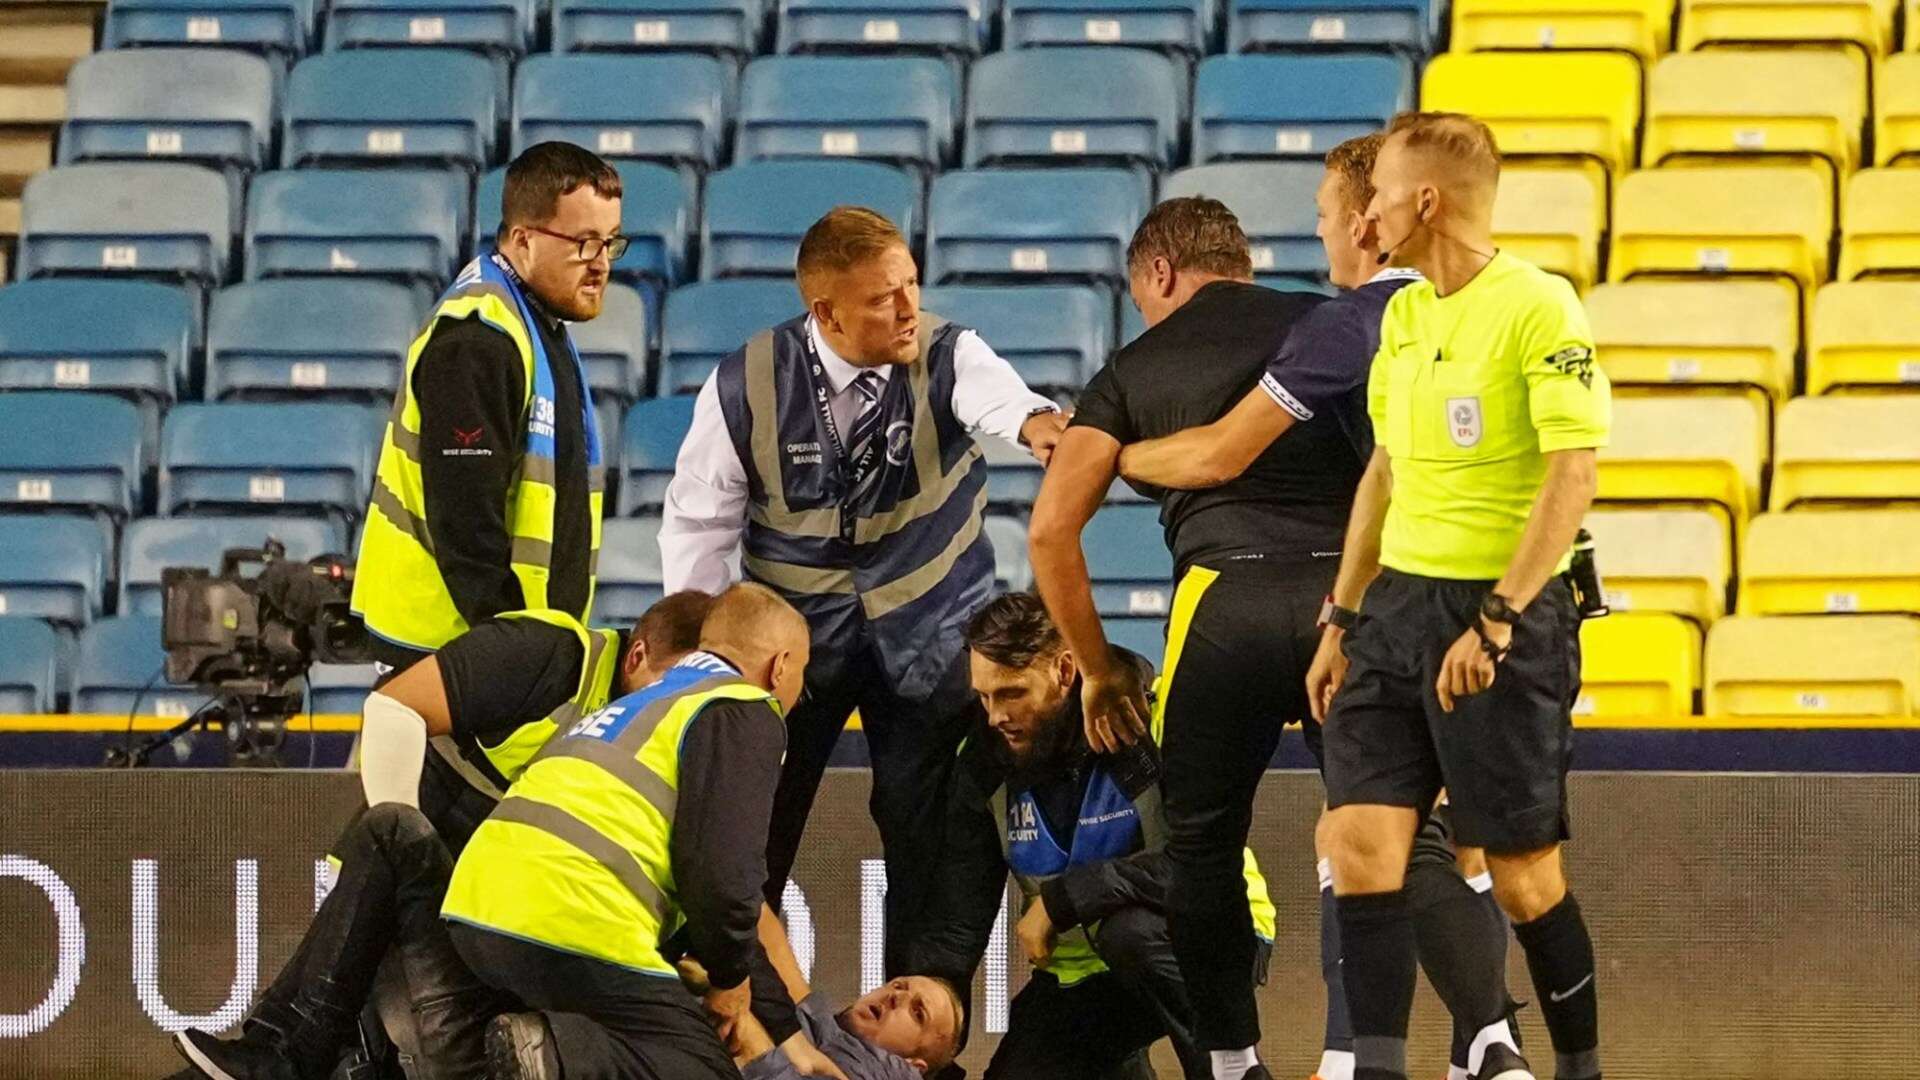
(151, 545)
(29, 661)
(1751, 101)
(799, 106)
(306, 336)
(888, 26)
(630, 578)
(1274, 202)
(396, 223)
(706, 321)
(1404, 25)
(656, 211)
(279, 28)
(362, 106)
(1832, 561)
(1896, 110)
(1880, 229)
(1692, 332)
(1679, 220)
(990, 225)
(505, 27)
(1055, 336)
(1293, 106)
(76, 333)
(1012, 572)
(1864, 333)
(1544, 103)
(60, 449)
(1674, 561)
(730, 28)
(614, 348)
(1181, 28)
(55, 568)
(666, 107)
(120, 668)
(1075, 106)
(205, 105)
(1128, 562)
(1837, 665)
(757, 212)
(1847, 449)
(1641, 28)
(650, 442)
(159, 219)
(1552, 218)
(1702, 449)
(1638, 665)
(261, 457)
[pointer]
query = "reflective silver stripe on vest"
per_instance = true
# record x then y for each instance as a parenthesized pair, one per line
(763, 400)
(407, 442)
(530, 552)
(450, 752)
(914, 584)
(386, 501)
(622, 762)
(795, 578)
(597, 478)
(540, 470)
(573, 708)
(565, 827)
(936, 485)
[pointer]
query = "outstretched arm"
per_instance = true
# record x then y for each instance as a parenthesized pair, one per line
(1212, 454)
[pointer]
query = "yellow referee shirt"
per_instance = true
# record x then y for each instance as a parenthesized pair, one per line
(1467, 394)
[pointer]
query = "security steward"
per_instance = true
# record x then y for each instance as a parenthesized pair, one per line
(1255, 557)
(476, 567)
(834, 456)
(1463, 669)
(647, 815)
(1083, 834)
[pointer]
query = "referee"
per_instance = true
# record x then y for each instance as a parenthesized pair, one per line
(1488, 408)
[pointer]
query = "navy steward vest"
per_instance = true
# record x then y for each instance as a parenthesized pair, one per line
(901, 573)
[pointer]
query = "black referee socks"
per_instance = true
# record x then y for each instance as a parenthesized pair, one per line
(1376, 942)
(1560, 957)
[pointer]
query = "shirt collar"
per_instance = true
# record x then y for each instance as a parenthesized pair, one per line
(1396, 273)
(840, 374)
(707, 661)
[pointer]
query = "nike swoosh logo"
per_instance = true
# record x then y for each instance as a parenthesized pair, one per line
(1561, 996)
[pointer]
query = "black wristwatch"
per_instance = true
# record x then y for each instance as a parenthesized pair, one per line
(1332, 614)
(1496, 609)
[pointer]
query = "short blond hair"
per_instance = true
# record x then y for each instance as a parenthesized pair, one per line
(1352, 163)
(842, 239)
(1459, 139)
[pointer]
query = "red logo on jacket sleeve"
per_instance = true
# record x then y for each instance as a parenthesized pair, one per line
(468, 438)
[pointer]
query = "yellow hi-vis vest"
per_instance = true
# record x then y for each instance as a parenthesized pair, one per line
(576, 857)
(397, 588)
(599, 668)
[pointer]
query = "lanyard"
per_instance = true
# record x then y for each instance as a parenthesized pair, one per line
(823, 399)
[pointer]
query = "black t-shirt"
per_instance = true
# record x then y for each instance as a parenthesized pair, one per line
(1293, 501)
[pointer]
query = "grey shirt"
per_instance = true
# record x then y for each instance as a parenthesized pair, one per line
(858, 1058)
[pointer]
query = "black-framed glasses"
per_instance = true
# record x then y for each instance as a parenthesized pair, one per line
(590, 247)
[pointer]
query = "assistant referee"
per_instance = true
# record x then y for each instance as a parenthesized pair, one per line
(1487, 407)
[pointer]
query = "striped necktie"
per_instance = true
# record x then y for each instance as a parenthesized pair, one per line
(864, 429)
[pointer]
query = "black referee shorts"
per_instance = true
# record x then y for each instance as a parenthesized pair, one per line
(1502, 754)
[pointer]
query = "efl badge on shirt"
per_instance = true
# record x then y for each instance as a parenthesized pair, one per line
(1463, 421)
(900, 442)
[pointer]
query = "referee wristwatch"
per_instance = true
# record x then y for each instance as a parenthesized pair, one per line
(1495, 608)
(1332, 614)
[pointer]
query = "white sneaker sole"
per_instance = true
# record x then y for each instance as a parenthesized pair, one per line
(199, 1061)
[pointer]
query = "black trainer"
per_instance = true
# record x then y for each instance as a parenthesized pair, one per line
(1503, 1062)
(520, 1047)
(233, 1059)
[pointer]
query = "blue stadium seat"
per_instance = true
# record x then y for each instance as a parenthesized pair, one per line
(1132, 323)
(397, 223)
(1128, 561)
(259, 456)
(1293, 106)
(130, 337)
(1074, 106)
(649, 444)
(155, 219)
(121, 669)
(1011, 569)
(807, 106)
(211, 106)
(756, 213)
(339, 688)
(1033, 224)
(29, 663)
(55, 567)
(1179, 26)
(657, 206)
(299, 337)
(728, 27)
(280, 28)
(1013, 475)
(151, 545)
(706, 321)
(505, 27)
(1274, 202)
(62, 449)
(1055, 336)
(1404, 25)
(385, 105)
(892, 26)
(1147, 636)
(614, 349)
(630, 577)
(667, 107)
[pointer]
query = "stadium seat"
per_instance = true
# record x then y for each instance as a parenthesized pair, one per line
(1680, 220)
(1835, 665)
(156, 219)
(55, 569)
(396, 223)
(279, 28)
(1638, 665)
(1641, 27)
(261, 456)
(299, 337)
(1132, 323)
(384, 105)
(61, 449)
(1013, 475)
(1832, 561)
(650, 442)
(630, 578)
(1896, 111)
(757, 212)
(614, 348)
(151, 545)
(1182, 27)
(1293, 106)
(1012, 572)
(339, 688)
(1128, 561)
(1405, 25)
(211, 106)
(728, 27)
(120, 669)
(1847, 448)
(1866, 23)
(706, 321)
(1274, 202)
(1697, 333)
(1552, 218)
(1555, 104)
(504, 27)
(1864, 333)
(665, 107)
(1055, 336)
(1754, 101)
(131, 337)
(957, 27)
(800, 107)
(1074, 105)
(1676, 562)
(1700, 449)
(1032, 224)
(657, 207)
(1147, 637)
(29, 661)
(1880, 231)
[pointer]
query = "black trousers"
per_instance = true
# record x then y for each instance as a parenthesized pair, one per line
(609, 1023)
(1238, 648)
(911, 745)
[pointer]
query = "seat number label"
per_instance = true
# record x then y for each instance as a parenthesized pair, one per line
(1068, 141)
(309, 375)
(1029, 260)
(72, 373)
(1715, 260)
(1262, 257)
(34, 489)
(266, 489)
(1813, 700)
(119, 257)
(616, 142)
(386, 141)
(840, 143)
(427, 28)
(1843, 603)
(1104, 31)
(880, 31)
(1293, 141)
(1146, 602)
(650, 32)
(203, 28)
(1327, 29)
(1683, 369)
(163, 142)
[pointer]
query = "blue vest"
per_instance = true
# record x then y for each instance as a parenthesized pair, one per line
(903, 571)
(1109, 826)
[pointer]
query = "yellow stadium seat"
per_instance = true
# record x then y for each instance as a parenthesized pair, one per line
(1662, 561)
(1640, 27)
(1553, 219)
(1868, 23)
(39, 42)
(1847, 448)
(1802, 665)
(1896, 109)
(1702, 449)
(1864, 333)
(1697, 332)
(29, 116)
(1771, 219)
(1751, 101)
(1544, 103)
(1880, 225)
(1638, 665)
(1831, 561)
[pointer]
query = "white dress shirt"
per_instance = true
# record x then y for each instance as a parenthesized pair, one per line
(706, 504)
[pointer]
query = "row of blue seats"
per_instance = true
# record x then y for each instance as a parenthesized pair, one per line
(741, 27)
(441, 106)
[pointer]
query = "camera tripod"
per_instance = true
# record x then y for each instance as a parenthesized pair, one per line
(255, 724)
